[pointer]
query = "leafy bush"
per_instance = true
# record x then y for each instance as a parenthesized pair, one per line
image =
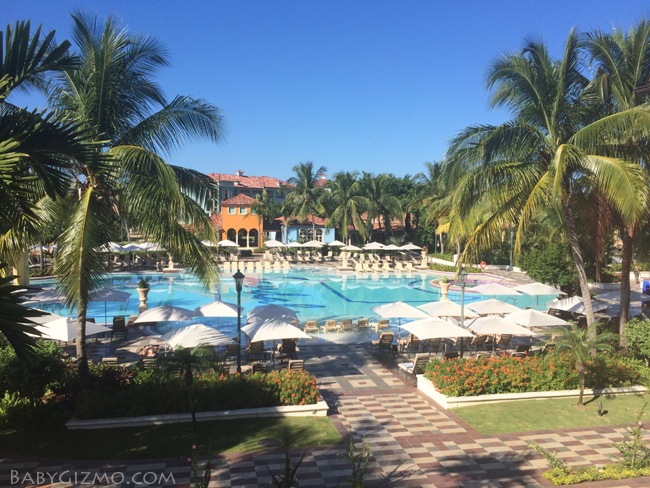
(467, 377)
(637, 333)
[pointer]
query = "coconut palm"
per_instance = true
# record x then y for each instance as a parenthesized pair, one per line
(345, 204)
(549, 156)
(622, 61)
(379, 201)
(304, 200)
(113, 95)
(583, 343)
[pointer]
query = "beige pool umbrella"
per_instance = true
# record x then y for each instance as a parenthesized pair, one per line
(399, 311)
(575, 304)
(273, 330)
(494, 289)
(271, 311)
(59, 328)
(535, 318)
(493, 325)
(491, 307)
(432, 328)
(195, 335)
(165, 313)
(445, 309)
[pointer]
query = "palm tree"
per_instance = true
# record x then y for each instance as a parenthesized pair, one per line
(378, 200)
(623, 73)
(114, 97)
(549, 156)
(345, 204)
(304, 199)
(583, 343)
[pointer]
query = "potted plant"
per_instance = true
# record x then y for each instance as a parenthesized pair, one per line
(143, 291)
(444, 288)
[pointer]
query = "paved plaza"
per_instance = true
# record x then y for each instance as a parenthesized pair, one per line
(414, 442)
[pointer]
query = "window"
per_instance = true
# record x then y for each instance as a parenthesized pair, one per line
(243, 210)
(319, 235)
(231, 210)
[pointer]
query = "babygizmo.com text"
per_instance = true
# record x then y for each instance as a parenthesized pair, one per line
(80, 478)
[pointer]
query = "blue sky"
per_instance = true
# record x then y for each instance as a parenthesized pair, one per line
(378, 86)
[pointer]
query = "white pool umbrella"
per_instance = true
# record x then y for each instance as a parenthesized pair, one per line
(399, 310)
(195, 335)
(227, 243)
(410, 247)
(152, 246)
(60, 328)
(445, 309)
(271, 243)
(294, 244)
(494, 289)
(208, 243)
(165, 313)
(493, 325)
(109, 295)
(273, 330)
(271, 311)
(615, 296)
(217, 309)
(46, 296)
(373, 246)
(539, 289)
(351, 248)
(313, 244)
(433, 328)
(336, 243)
(575, 304)
(391, 247)
(535, 318)
(131, 247)
(492, 306)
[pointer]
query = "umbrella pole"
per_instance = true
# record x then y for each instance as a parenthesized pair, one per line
(105, 315)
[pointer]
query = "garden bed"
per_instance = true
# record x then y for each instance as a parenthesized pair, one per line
(448, 402)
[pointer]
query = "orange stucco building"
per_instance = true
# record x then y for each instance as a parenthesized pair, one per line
(239, 223)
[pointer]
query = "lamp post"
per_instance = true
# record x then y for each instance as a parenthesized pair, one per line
(239, 284)
(512, 235)
(462, 281)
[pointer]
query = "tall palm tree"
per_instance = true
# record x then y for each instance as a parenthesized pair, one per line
(345, 204)
(548, 156)
(304, 199)
(583, 343)
(113, 95)
(622, 61)
(378, 201)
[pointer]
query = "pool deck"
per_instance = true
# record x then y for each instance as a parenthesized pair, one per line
(414, 442)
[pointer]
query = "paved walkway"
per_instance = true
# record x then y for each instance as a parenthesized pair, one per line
(414, 442)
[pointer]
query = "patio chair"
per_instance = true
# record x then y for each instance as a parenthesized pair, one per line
(430, 345)
(331, 325)
(255, 350)
(409, 266)
(296, 365)
(518, 355)
(504, 341)
(232, 352)
(525, 348)
(259, 368)
(548, 347)
(382, 324)
(411, 344)
(418, 366)
(363, 324)
(384, 343)
(346, 325)
(287, 350)
(119, 330)
(451, 355)
(483, 355)
(311, 326)
(478, 342)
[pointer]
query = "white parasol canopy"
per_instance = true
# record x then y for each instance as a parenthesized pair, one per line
(445, 309)
(195, 335)
(151, 246)
(216, 309)
(336, 243)
(391, 247)
(272, 311)
(492, 306)
(351, 248)
(273, 243)
(227, 243)
(496, 325)
(433, 328)
(494, 289)
(207, 243)
(46, 296)
(313, 244)
(60, 328)
(615, 296)
(373, 246)
(399, 310)
(131, 247)
(109, 295)
(410, 247)
(539, 289)
(165, 313)
(272, 330)
(294, 244)
(575, 304)
(535, 318)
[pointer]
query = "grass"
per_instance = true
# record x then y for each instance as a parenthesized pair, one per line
(169, 441)
(561, 413)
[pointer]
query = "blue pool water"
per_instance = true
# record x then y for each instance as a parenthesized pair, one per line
(314, 294)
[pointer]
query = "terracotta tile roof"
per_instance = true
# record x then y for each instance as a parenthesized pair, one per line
(318, 221)
(249, 181)
(239, 199)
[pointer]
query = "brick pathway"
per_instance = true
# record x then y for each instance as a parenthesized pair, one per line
(414, 443)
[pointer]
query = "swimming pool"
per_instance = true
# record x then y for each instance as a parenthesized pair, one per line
(313, 293)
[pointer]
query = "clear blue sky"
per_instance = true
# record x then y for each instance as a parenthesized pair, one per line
(378, 86)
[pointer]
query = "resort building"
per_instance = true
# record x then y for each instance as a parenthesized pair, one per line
(239, 222)
(304, 231)
(230, 186)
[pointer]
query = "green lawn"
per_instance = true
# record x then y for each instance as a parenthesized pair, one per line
(527, 415)
(168, 441)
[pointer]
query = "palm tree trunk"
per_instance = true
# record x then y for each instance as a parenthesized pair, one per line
(577, 259)
(627, 235)
(189, 380)
(82, 358)
(582, 390)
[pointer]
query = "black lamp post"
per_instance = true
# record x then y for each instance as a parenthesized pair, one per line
(462, 281)
(239, 284)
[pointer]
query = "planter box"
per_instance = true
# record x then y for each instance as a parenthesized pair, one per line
(448, 403)
(315, 410)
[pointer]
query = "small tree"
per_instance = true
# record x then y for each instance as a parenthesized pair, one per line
(637, 335)
(583, 344)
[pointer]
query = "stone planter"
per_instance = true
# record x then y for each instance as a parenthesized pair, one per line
(142, 294)
(444, 291)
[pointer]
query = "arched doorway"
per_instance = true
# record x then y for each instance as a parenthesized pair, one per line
(253, 238)
(231, 235)
(242, 238)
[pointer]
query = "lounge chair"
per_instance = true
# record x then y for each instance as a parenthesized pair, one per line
(346, 325)
(398, 267)
(311, 326)
(363, 324)
(430, 345)
(504, 341)
(418, 366)
(119, 330)
(525, 348)
(255, 350)
(548, 347)
(409, 266)
(287, 350)
(478, 342)
(331, 325)
(382, 324)
(518, 355)
(483, 355)
(451, 355)
(384, 343)
(296, 365)
(232, 352)
(259, 368)
(411, 344)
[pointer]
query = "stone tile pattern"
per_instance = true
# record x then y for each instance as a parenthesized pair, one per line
(414, 443)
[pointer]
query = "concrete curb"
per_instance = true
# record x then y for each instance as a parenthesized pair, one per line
(314, 410)
(448, 403)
